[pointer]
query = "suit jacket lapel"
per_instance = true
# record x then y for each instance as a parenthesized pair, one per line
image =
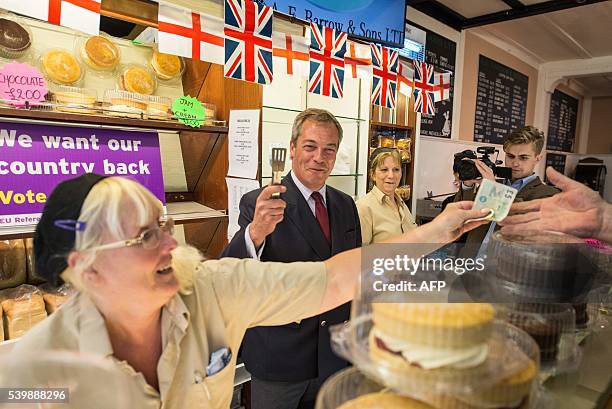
(299, 213)
(529, 187)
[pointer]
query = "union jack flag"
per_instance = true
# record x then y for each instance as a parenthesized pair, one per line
(384, 79)
(248, 41)
(327, 48)
(424, 87)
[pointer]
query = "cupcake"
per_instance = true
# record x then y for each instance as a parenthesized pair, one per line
(100, 53)
(15, 39)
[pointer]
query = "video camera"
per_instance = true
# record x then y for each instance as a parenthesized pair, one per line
(463, 163)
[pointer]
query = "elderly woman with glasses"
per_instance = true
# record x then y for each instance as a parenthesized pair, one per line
(169, 320)
(382, 213)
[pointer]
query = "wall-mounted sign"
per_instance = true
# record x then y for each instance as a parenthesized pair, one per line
(21, 83)
(35, 158)
(501, 101)
(379, 21)
(562, 122)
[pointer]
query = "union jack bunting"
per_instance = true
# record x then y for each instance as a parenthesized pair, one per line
(384, 75)
(405, 75)
(327, 49)
(248, 41)
(424, 88)
(442, 86)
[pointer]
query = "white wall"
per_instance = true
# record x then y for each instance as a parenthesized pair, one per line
(436, 163)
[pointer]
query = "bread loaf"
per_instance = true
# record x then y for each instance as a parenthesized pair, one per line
(33, 278)
(12, 263)
(23, 307)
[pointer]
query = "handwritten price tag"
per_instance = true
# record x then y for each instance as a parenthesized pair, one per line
(21, 83)
(189, 111)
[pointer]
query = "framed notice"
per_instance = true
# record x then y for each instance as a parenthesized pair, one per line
(557, 161)
(440, 52)
(501, 101)
(562, 122)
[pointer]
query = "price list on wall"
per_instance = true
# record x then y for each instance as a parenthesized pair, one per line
(557, 161)
(501, 101)
(562, 122)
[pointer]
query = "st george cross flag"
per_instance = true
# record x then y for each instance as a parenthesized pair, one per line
(424, 88)
(384, 75)
(327, 49)
(82, 15)
(290, 54)
(442, 86)
(248, 41)
(190, 34)
(405, 75)
(358, 60)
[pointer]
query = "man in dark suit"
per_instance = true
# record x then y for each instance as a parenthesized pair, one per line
(310, 222)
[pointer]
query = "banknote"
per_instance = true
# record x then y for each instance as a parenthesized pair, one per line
(495, 196)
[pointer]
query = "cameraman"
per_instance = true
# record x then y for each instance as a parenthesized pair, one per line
(523, 150)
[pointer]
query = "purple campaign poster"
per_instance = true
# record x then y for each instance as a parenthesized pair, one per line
(35, 158)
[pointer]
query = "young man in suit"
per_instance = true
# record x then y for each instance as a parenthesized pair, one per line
(523, 149)
(310, 222)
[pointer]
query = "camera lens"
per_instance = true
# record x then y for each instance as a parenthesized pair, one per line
(467, 170)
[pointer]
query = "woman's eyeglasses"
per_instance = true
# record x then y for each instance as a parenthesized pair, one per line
(148, 239)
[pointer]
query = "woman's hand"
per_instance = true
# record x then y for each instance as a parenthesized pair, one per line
(451, 223)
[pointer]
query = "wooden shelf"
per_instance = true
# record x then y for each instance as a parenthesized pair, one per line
(386, 125)
(104, 120)
(181, 212)
(193, 212)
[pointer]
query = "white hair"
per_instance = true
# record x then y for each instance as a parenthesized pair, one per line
(106, 210)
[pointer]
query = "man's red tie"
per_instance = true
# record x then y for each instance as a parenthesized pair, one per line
(321, 215)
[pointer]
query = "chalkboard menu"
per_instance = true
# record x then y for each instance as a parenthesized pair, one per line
(557, 161)
(501, 101)
(440, 52)
(562, 122)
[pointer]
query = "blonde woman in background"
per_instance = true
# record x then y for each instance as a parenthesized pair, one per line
(382, 213)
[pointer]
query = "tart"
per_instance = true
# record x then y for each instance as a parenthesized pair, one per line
(166, 66)
(139, 80)
(383, 400)
(61, 67)
(100, 53)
